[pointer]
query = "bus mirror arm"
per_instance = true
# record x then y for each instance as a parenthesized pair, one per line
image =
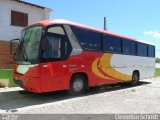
(11, 45)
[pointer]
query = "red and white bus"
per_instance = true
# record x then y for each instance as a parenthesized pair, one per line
(62, 55)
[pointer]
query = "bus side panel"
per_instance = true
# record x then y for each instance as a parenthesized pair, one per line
(54, 76)
(57, 75)
(145, 65)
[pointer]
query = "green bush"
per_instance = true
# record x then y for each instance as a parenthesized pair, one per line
(157, 72)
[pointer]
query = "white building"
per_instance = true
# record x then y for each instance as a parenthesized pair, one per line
(157, 65)
(16, 14)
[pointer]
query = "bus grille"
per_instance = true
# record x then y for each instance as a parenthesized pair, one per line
(19, 83)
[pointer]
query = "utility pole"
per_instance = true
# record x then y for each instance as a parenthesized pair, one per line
(105, 24)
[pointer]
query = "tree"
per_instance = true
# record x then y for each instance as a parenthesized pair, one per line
(157, 60)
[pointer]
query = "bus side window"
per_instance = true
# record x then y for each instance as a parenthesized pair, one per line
(89, 40)
(126, 47)
(56, 45)
(117, 45)
(142, 49)
(151, 51)
(133, 48)
(52, 47)
(108, 43)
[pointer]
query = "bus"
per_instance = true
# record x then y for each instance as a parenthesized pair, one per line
(58, 55)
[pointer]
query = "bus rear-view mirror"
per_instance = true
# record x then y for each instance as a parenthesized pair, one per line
(13, 46)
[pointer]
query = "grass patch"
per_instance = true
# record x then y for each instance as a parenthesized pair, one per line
(157, 72)
(7, 75)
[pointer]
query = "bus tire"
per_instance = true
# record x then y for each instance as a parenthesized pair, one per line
(78, 85)
(135, 78)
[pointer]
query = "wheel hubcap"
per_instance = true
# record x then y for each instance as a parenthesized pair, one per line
(135, 78)
(78, 85)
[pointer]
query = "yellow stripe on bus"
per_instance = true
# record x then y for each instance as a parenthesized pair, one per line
(96, 71)
(105, 64)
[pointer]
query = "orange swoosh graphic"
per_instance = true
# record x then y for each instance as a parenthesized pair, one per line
(96, 71)
(107, 68)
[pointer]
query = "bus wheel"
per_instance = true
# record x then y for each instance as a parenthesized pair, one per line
(78, 85)
(135, 79)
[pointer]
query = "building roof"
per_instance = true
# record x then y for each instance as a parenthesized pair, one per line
(27, 3)
(61, 21)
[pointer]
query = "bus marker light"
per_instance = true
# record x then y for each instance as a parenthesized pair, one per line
(64, 66)
(45, 66)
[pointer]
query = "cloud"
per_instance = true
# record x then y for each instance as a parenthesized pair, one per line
(155, 34)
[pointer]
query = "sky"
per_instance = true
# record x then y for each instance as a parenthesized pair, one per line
(139, 19)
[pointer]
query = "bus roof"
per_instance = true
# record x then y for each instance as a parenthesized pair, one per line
(62, 21)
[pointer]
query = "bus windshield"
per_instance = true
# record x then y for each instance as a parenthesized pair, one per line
(29, 47)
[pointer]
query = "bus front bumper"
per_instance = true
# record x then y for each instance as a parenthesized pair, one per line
(29, 83)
